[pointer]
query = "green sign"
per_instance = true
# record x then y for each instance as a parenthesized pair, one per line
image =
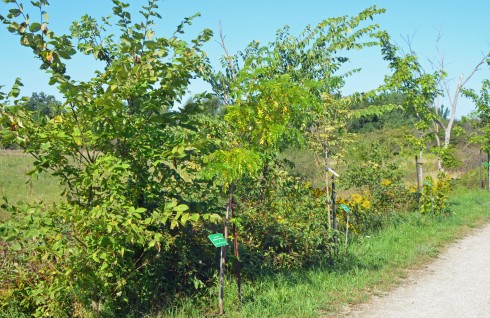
(485, 164)
(345, 207)
(428, 183)
(218, 240)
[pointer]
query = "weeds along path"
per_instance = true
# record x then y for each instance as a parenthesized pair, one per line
(457, 284)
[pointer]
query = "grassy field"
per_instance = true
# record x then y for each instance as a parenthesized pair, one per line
(373, 264)
(16, 186)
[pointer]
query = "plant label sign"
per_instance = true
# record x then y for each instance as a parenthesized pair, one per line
(428, 183)
(218, 240)
(345, 207)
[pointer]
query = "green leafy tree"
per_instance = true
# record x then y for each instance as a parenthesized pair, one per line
(260, 120)
(482, 118)
(424, 92)
(419, 89)
(272, 93)
(130, 166)
(395, 118)
(292, 84)
(42, 105)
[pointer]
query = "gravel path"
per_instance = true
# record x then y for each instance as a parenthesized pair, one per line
(456, 285)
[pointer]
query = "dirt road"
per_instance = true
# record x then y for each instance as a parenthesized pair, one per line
(456, 285)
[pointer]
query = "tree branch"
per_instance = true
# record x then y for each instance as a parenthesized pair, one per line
(477, 67)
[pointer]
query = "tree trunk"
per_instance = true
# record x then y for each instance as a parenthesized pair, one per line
(454, 100)
(418, 177)
(452, 116)
(327, 191)
(421, 175)
(235, 246)
(223, 259)
(482, 182)
(439, 159)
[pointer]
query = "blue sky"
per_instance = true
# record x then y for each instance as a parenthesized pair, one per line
(464, 27)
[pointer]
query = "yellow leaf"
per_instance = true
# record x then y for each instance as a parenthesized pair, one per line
(49, 56)
(58, 119)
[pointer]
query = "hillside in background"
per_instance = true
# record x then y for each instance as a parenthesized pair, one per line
(389, 134)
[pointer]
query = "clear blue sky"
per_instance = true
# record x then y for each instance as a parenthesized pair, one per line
(464, 27)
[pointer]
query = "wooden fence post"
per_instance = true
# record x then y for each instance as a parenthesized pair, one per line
(418, 176)
(488, 163)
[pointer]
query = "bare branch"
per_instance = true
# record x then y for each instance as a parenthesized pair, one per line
(227, 56)
(477, 67)
(228, 59)
(408, 39)
(439, 123)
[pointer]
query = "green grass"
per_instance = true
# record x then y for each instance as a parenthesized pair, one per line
(16, 186)
(372, 265)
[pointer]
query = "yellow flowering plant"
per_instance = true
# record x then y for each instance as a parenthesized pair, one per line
(363, 216)
(435, 194)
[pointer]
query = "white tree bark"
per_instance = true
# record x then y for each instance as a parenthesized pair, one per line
(453, 99)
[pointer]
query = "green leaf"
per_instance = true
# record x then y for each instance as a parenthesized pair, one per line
(95, 258)
(174, 224)
(34, 27)
(181, 208)
(65, 54)
(195, 217)
(184, 218)
(13, 13)
(46, 146)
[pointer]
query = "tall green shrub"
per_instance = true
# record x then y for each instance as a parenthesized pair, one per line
(129, 163)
